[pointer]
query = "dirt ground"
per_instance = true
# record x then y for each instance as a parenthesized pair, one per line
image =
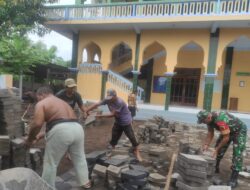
(97, 138)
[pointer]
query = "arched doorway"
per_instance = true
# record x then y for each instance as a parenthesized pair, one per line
(186, 81)
(152, 78)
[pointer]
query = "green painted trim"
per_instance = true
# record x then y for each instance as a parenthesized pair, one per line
(209, 81)
(104, 81)
(213, 47)
(135, 82)
(137, 51)
(168, 92)
(245, 74)
(227, 77)
(75, 42)
(207, 104)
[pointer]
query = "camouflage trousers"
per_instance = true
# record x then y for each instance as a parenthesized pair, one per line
(239, 145)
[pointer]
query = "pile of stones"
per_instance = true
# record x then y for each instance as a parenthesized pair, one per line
(13, 152)
(17, 155)
(122, 172)
(155, 131)
(10, 114)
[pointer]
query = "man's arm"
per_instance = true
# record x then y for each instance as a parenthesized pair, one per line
(111, 114)
(224, 141)
(94, 106)
(225, 132)
(209, 138)
(37, 122)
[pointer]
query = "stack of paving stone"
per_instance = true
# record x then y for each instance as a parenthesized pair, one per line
(187, 147)
(5, 151)
(151, 132)
(10, 114)
(36, 160)
(156, 180)
(193, 172)
(18, 152)
(133, 179)
(92, 159)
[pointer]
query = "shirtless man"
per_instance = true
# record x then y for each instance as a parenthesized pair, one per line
(63, 133)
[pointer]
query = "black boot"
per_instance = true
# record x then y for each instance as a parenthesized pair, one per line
(234, 179)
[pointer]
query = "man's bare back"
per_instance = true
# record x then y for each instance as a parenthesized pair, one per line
(52, 108)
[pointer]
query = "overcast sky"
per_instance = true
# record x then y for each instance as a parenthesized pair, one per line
(63, 44)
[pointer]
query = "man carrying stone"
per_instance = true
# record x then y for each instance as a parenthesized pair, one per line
(123, 119)
(63, 133)
(231, 129)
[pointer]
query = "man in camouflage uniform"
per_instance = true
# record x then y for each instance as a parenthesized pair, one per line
(232, 129)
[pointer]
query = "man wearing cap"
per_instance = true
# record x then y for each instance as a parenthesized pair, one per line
(70, 95)
(123, 119)
(232, 129)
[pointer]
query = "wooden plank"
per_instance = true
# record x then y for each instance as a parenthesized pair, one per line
(170, 171)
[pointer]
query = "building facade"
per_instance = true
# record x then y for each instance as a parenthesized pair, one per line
(183, 52)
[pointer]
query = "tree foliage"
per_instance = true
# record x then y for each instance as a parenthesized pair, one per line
(22, 16)
(20, 54)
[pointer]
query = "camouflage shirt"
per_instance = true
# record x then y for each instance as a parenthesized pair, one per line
(227, 123)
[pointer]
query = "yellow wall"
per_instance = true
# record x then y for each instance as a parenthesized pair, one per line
(240, 64)
(171, 41)
(159, 69)
(89, 86)
(227, 36)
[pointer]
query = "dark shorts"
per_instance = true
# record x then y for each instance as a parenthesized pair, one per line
(117, 131)
(132, 109)
(51, 124)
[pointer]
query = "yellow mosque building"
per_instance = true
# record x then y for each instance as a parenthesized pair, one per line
(193, 53)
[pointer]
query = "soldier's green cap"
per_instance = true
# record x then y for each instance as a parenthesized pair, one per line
(202, 115)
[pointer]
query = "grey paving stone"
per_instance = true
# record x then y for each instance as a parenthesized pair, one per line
(120, 157)
(114, 162)
(139, 182)
(185, 165)
(138, 168)
(63, 186)
(102, 160)
(67, 176)
(219, 187)
(184, 186)
(216, 180)
(18, 142)
(156, 178)
(120, 186)
(133, 174)
(94, 156)
(193, 159)
(130, 186)
(114, 171)
(100, 170)
(193, 173)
